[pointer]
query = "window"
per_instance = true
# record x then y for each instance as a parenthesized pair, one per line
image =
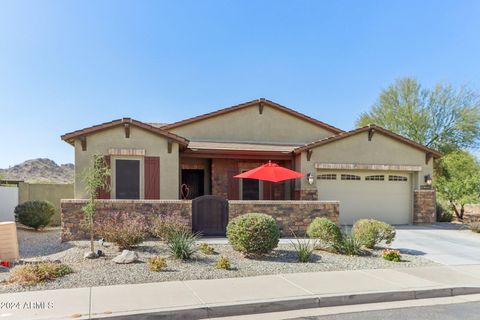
(375, 178)
(397, 178)
(350, 177)
(327, 176)
(127, 179)
(250, 188)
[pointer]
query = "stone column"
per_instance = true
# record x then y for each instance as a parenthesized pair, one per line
(306, 194)
(424, 206)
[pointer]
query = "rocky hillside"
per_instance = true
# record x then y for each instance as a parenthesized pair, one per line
(40, 170)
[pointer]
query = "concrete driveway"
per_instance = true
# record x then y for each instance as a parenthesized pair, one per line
(445, 243)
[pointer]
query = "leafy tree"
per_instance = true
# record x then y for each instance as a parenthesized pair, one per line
(443, 118)
(95, 178)
(459, 180)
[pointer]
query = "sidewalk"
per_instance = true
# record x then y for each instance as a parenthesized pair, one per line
(221, 297)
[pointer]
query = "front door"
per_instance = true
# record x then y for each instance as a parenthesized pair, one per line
(127, 179)
(194, 180)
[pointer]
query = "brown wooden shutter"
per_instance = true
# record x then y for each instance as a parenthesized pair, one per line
(152, 178)
(233, 186)
(105, 193)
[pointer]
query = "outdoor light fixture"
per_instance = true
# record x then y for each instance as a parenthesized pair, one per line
(428, 179)
(310, 178)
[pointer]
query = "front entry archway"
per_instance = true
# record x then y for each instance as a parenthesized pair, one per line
(210, 215)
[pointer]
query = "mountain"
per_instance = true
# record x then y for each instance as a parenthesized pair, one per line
(40, 170)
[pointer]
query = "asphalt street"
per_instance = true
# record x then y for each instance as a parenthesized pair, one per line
(457, 311)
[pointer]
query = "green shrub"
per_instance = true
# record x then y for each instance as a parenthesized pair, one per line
(475, 226)
(303, 248)
(371, 232)
(391, 255)
(326, 231)
(443, 214)
(124, 229)
(31, 274)
(349, 245)
(182, 244)
(35, 214)
(253, 233)
(206, 248)
(157, 263)
(164, 226)
(223, 263)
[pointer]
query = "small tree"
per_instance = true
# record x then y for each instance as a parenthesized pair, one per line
(443, 118)
(95, 178)
(459, 180)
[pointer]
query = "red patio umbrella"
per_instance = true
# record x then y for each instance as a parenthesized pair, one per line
(270, 172)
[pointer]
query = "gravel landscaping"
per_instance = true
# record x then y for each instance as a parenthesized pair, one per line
(46, 245)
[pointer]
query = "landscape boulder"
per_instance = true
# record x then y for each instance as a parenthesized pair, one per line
(126, 256)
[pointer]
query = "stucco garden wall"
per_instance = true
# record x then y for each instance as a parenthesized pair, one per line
(290, 215)
(47, 192)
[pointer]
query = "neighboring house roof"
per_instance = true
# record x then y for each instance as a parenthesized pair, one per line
(375, 128)
(70, 137)
(237, 146)
(249, 104)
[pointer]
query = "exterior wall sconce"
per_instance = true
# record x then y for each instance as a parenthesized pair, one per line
(310, 178)
(428, 179)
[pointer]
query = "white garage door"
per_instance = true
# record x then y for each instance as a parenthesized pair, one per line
(384, 196)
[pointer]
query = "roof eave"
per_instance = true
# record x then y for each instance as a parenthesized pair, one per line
(71, 136)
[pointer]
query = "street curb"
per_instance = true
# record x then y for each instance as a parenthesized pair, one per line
(287, 304)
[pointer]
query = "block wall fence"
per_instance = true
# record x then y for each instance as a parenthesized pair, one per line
(290, 215)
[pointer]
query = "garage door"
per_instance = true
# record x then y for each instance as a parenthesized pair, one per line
(384, 196)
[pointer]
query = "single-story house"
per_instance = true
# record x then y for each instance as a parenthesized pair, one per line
(372, 172)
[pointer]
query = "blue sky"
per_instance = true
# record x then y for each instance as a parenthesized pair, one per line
(65, 65)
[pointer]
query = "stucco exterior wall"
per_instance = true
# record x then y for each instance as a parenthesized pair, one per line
(53, 193)
(248, 125)
(154, 145)
(357, 149)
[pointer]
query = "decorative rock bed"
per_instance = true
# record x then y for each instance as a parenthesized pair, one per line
(46, 245)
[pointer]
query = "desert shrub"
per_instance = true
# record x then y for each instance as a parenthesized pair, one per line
(349, 245)
(443, 215)
(223, 263)
(124, 229)
(182, 244)
(157, 263)
(206, 248)
(303, 248)
(391, 255)
(326, 231)
(31, 274)
(35, 214)
(475, 226)
(253, 233)
(164, 226)
(371, 232)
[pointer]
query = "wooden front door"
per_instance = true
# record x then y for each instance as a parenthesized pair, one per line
(127, 179)
(210, 215)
